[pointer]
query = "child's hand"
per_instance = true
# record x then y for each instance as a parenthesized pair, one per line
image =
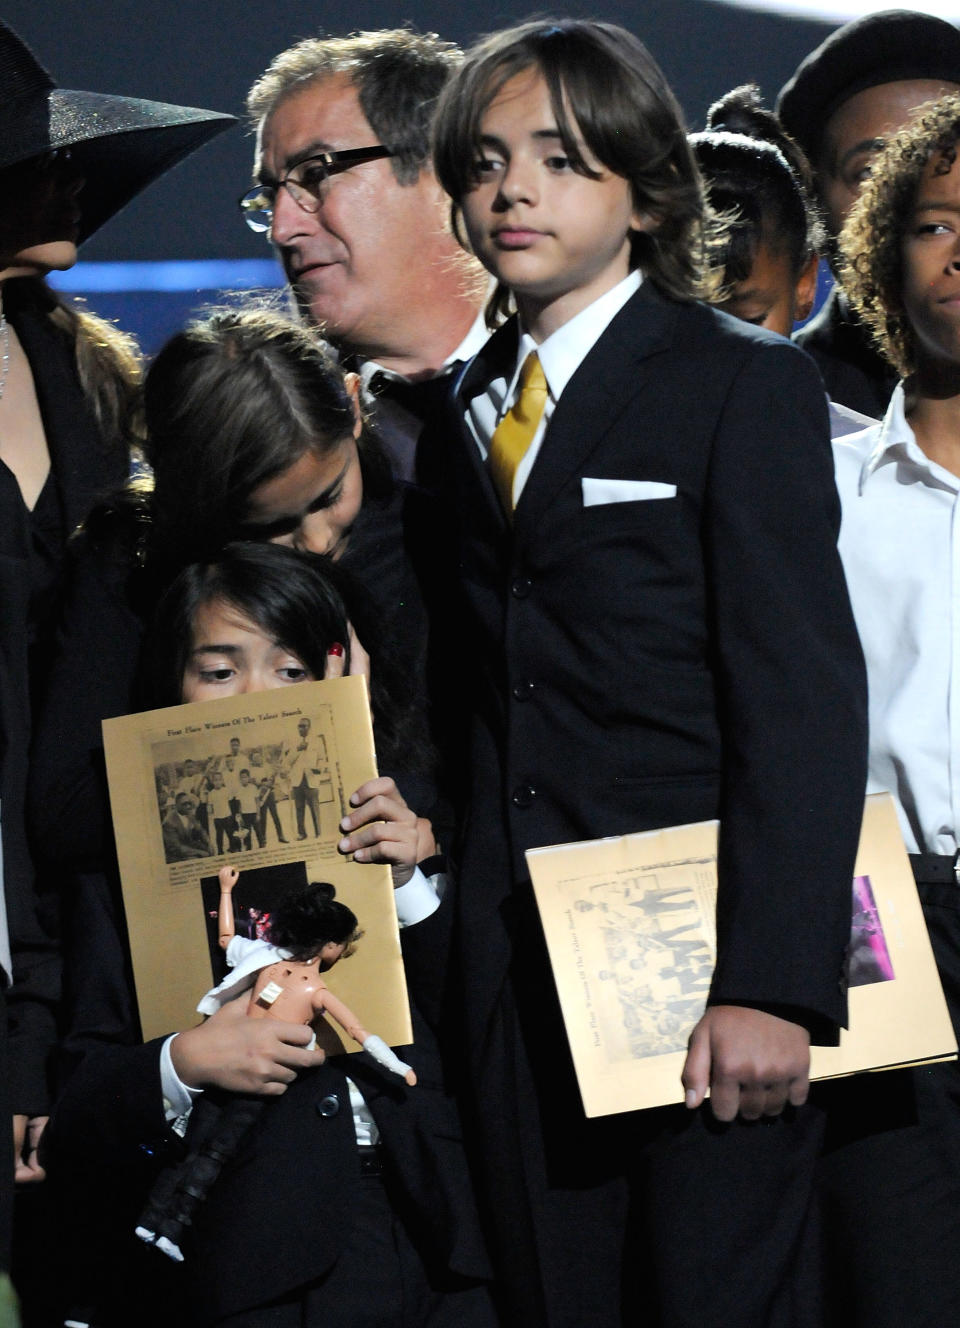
(228, 879)
(27, 1131)
(359, 659)
(382, 828)
(242, 1055)
(754, 1063)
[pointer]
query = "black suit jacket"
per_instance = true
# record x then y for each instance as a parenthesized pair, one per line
(646, 663)
(180, 842)
(853, 370)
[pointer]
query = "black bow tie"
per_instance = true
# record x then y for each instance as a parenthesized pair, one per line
(418, 399)
(400, 411)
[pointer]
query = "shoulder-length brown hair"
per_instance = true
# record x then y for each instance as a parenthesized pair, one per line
(604, 83)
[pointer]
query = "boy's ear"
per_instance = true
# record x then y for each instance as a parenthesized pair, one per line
(806, 288)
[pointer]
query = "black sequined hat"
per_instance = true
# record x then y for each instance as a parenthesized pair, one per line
(120, 144)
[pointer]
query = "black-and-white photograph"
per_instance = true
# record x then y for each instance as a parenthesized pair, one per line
(256, 785)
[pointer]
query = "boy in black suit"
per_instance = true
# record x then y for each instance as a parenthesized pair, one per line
(659, 633)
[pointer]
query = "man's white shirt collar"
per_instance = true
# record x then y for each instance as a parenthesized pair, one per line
(475, 340)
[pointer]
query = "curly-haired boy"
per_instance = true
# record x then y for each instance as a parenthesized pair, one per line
(895, 1193)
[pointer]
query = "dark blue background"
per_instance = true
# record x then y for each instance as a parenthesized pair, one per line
(208, 52)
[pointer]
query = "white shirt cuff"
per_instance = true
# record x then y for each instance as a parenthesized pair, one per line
(178, 1099)
(420, 897)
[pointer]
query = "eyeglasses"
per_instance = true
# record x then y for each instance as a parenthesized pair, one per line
(306, 187)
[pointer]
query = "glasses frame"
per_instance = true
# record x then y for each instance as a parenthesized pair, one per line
(331, 163)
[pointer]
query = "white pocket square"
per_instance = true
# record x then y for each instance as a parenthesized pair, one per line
(596, 492)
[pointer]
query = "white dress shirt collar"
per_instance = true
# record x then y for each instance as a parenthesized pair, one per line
(560, 356)
(474, 341)
(896, 444)
(562, 353)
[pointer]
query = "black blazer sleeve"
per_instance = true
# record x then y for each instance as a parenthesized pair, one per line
(791, 695)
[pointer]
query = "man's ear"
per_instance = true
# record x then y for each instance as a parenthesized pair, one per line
(429, 177)
(352, 383)
(645, 221)
(806, 288)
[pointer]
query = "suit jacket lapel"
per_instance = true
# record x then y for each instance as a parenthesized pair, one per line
(621, 364)
(497, 359)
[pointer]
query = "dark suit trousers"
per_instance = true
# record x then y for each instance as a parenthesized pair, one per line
(224, 826)
(303, 797)
(270, 806)
(251, 822)
(663, 1218)
(379, 1281)
(891, 1174)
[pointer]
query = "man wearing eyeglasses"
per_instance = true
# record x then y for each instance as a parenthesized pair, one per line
(346, 194)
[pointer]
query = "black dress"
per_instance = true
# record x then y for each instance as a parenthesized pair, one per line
(32, 552)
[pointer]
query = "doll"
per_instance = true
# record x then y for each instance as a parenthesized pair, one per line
(309, 932)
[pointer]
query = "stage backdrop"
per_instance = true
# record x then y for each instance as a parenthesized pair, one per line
(207, 52)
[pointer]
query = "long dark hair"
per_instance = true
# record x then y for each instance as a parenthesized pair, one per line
(304, 601)
(108, 361)
(306, 920)
(231, 402)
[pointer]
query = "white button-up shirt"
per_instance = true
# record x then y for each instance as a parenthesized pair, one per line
(900, 544)
(561, 355)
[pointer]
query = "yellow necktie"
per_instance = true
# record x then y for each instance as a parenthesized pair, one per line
(514, 434)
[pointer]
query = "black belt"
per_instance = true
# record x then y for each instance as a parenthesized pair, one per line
(371, 1159)
(936, 868)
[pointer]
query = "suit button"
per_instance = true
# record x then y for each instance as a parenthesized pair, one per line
(329, 1105)
(522, 690)
(523, 795)
(521, 587)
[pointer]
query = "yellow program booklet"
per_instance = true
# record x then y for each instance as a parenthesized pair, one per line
(630, 927)
(259, 782)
